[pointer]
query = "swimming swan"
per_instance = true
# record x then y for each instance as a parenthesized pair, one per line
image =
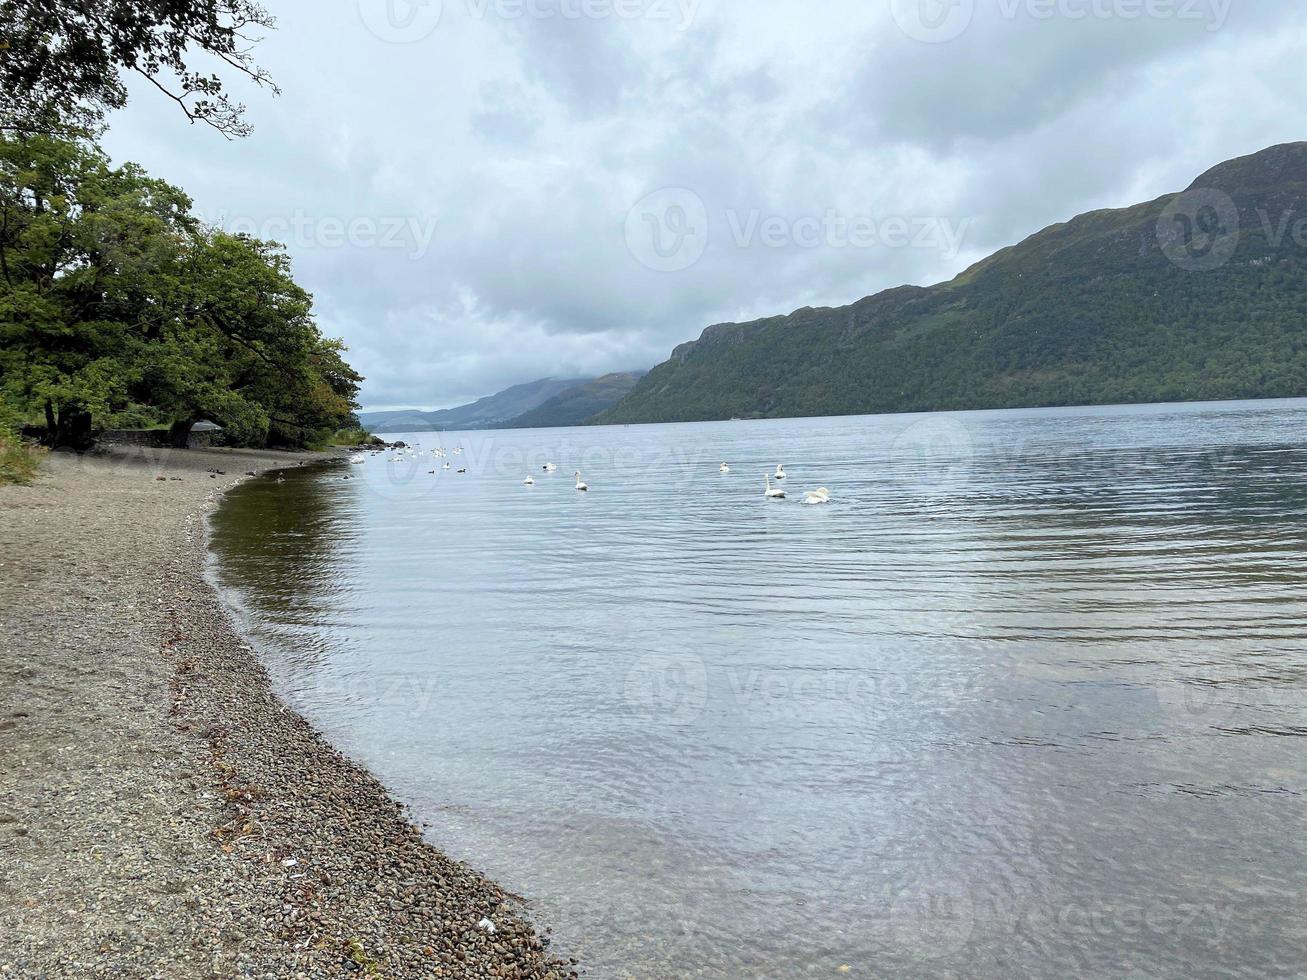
(580, 485)
(780, 471)
(773, 493)
(530, 481)
(819, 496)
(723, 468)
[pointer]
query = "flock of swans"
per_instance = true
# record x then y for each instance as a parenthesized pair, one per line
(407, 453)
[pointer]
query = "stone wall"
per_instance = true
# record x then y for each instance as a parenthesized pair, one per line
(152, 437)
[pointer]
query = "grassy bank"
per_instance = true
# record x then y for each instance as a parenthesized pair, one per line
(18, 460)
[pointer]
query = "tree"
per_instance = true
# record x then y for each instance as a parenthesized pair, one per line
(66, 59)
(115, 298)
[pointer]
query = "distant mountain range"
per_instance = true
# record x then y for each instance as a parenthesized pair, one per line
(580, 403)
(1198, 295)
(547, 402)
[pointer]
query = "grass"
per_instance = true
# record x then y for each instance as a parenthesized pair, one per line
(18, 461)
(352, 437)
(369, 966)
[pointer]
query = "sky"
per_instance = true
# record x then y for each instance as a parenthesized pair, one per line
(485, 192)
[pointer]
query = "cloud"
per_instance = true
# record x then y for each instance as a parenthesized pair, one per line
(487, 170)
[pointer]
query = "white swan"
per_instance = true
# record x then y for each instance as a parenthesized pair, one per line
(357, 459)
(723, 468)
(530, 481)
(819, 496)
(780, 471)
(773, 493)
(550, 467)
(580, 484)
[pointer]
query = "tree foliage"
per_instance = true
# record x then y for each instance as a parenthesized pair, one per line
(116, 302)
(68, 59)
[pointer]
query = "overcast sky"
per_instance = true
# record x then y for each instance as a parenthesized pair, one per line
(485, 192)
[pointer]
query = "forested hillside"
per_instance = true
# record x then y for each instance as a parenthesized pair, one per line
(1200, 295)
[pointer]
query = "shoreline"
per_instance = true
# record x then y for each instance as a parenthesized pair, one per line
(162, 811)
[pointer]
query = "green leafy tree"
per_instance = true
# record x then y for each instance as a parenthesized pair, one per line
(114, 300)
(67, 59)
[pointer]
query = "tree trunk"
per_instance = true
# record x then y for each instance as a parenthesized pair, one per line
(73, 429)
(179, 434)
(51, 427)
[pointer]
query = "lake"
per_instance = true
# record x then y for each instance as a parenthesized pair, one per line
(1028, 697)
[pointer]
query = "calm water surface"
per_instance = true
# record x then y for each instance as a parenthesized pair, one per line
(1027, 698)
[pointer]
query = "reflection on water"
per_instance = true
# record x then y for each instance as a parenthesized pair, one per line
(1025, 699)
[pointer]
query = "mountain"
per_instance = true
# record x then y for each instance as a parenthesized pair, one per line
(1194, 296)
(484, 413)
(576, 405)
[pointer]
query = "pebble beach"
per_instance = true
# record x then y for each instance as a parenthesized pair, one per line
(162, 813)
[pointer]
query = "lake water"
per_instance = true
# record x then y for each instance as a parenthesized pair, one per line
(1027, 698)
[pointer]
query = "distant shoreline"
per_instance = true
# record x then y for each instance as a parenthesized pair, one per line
(163, 812)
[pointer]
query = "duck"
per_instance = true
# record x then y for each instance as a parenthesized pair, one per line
(780, 471)
(723, 468)
(580, 484)
(819, 496)
(772, 493)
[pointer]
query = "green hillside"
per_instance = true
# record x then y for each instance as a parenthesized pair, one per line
(1194, 296)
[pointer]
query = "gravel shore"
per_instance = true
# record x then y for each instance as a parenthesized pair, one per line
(162, 814)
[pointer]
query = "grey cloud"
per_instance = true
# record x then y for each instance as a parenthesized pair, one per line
(527, 142)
